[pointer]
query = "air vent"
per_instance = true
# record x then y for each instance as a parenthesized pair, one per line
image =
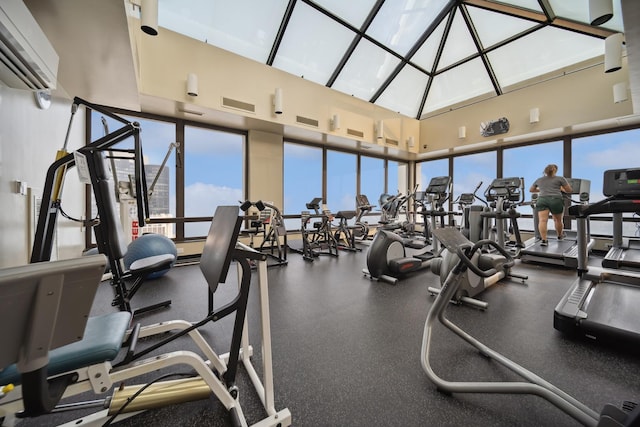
(354, 132)
(238, 105)
(307, 121)
(389, 141)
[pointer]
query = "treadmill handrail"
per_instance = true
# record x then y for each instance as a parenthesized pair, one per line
(608, 205)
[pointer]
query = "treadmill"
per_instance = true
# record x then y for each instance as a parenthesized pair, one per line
(602, 304)
(624, 253)
(559, 252)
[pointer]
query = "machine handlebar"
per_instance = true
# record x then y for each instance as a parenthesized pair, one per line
(466, 252)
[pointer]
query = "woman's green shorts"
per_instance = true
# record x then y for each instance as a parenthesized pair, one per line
(554, 204)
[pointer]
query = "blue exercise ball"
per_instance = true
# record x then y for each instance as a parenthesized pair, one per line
(149, 245)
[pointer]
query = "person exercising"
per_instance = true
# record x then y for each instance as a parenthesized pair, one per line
(550, 188)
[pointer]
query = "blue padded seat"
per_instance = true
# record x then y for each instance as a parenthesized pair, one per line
(102, 341)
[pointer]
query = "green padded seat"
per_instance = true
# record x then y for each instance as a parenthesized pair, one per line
(102, 341)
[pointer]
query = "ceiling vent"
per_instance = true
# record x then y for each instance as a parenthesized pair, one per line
(238, 105)
(27, 58)
(390, 141)
(354, 132)
(307, 121)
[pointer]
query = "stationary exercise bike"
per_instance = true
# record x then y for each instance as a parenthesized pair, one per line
(466, 251)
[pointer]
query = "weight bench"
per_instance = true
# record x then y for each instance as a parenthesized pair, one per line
(84, 363)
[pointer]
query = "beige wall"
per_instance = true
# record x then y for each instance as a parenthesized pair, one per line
(167, 59)
(29, 140)
(564, 102)
(265, 167)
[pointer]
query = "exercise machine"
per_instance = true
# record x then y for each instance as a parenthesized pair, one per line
(558, 252)
(503, 195)
(363, 207)
(318, 239)
(455, 242)
(270, 224)
(472, 222)
(387, 258)
(88, 363)
(388, 261)
(345, 233)
(471, 283)
(92, 165)
(624, 252)
(602, 304)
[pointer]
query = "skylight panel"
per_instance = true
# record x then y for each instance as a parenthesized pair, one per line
(425, 56)
(459, 84)
(494, 27)
(366, 70)
(400, 23)
(353, 11)
(247, 28)
(542, 52)
(312, 45)
(459, 44)
(404, 94)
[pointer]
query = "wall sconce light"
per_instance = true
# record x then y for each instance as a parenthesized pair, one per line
(334, 122)
(462, 132)
(379, 128)
(277, 101)
(411, 142)
(613, 52)
(192, 84)
(600, 11)
(620, 92)
(149, 17)
(534, 115)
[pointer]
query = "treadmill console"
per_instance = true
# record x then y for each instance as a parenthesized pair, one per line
(621, 183)
(438, 185)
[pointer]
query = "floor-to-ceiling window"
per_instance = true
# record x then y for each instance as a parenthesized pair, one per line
(341, 181)
(302, 179)
(371, 177)
(528, 162)
(472, 170)
(213, 174)
(159, 150)
(592, 156)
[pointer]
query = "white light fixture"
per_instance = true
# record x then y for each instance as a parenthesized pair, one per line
(334, 122)
(149, 17)
(462, 132)
(277, 101)
(411, 142)
(613, 52)
(620, 92)
(192, 84)
(379, 129)
(600, 11)
(534, 115)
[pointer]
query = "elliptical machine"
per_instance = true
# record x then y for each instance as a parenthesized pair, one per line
(454, 241)
(387, 258)
(472, 284)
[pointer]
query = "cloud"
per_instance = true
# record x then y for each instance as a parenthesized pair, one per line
(616, 157)
(202, 199)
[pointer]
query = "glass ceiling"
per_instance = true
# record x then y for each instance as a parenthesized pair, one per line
(416, 57)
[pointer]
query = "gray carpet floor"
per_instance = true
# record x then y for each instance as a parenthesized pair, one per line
(347, 350)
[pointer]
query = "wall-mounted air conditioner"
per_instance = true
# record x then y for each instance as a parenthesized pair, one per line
(27, 58)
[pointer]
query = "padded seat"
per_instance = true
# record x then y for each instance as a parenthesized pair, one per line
(102, 342)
